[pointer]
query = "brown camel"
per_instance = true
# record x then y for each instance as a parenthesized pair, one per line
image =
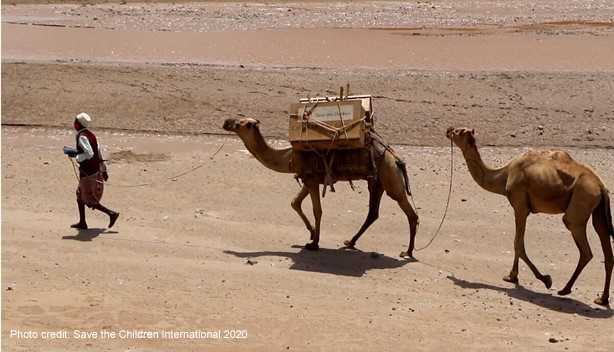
(547, 182)
(390, 179)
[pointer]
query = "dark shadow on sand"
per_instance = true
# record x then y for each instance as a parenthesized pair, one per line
(87, 235)
(555, 303)
(342, 261)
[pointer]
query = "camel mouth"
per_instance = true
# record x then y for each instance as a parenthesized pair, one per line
(450, 132)
(228, 124)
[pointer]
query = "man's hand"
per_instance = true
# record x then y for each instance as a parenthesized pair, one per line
(71, 152)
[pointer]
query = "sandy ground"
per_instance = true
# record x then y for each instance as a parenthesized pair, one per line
(219, 248)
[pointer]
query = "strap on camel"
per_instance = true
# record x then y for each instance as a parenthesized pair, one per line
(376, 137)
(335, 132)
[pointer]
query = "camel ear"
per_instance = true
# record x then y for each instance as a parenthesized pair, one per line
(472, 131)
(249, 124)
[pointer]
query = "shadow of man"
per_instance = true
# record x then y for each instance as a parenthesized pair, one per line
(87, 235)
(347, 262)
(546, 300)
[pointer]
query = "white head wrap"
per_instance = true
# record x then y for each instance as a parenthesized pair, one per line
(84, 119)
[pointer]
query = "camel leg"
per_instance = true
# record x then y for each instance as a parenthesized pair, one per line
(296, 205)
(599, 223)
(375, 196)
(576, 216)
(521, 253)
(393, 182)
(521, 222)
(578, 232)
(579, 235)
(313, 189)
(412, 219)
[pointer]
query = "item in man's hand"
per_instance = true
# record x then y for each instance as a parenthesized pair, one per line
(70, 151)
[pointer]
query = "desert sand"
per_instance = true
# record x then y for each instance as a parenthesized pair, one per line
(207, 240)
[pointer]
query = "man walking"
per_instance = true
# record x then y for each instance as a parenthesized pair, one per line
(92, 172)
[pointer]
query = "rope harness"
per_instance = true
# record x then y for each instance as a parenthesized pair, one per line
(335, 131)
(307, 121)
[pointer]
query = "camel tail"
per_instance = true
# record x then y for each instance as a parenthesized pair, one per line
(401, 165)
(604, 211)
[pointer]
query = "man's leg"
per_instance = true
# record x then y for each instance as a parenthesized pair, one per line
(81, 224)
(113, 215)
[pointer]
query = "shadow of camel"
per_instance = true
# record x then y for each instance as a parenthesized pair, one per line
(87, 235)
(342, 261)
(556, 303)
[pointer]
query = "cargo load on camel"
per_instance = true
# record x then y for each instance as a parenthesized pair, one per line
(334, 138)
(325, 123)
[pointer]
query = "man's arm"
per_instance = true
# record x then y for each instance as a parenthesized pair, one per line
(88, 153)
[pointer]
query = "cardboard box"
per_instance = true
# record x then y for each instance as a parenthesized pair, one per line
(307, 133)
(365, 100)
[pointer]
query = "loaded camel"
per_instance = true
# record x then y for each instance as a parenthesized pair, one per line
(391, 178)
(547, 182)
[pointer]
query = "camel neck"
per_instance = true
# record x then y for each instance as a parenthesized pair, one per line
(275, 159)
(492, 180)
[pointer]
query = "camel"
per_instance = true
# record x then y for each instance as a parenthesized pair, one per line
(391, 178)
(548, 182)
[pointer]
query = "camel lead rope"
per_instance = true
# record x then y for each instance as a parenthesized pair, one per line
(150, 183)
(448, 201)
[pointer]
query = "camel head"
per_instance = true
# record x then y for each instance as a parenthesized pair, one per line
(461, 136)
(243, 126)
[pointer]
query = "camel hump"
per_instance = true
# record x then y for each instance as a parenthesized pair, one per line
(559, 155)
(540, 157)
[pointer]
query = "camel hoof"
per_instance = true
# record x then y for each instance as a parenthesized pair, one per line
(405, 254)
(564, 292)
(602, 301)
(547, 280)
(512, 279)
(312, 246)
(348, 244)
